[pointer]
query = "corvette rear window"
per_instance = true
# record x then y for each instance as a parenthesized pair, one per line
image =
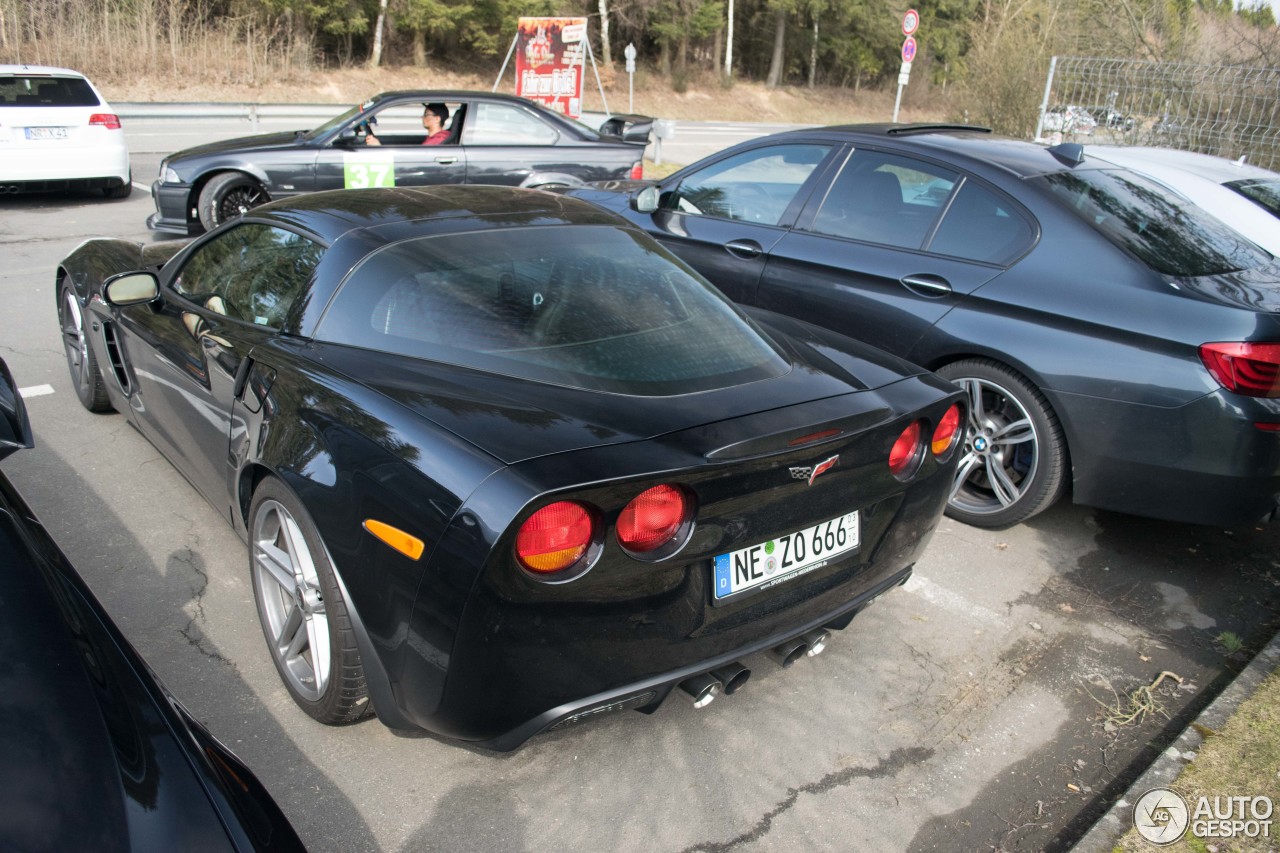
(20, 91)
(593, 307)
(1164, 232)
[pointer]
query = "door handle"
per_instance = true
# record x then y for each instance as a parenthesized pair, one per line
(932, 286)
(446, 161)
(744, 249)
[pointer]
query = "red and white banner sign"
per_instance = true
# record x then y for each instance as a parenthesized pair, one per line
(550, 57)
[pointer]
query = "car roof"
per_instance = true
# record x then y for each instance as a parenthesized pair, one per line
(1217, 169)
(39, 71)
(975, 148)
(442, 208)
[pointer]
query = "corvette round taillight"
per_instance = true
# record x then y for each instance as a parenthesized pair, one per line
(905, 452)
(555, 537)
(652, 519)
(637, 171)
(947, 431)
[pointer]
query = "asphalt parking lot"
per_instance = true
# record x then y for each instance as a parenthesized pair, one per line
(983, 706)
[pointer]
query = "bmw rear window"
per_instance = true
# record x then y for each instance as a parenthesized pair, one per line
(1264, 193)
(43, 91)
(1168, 234)
(594, 307)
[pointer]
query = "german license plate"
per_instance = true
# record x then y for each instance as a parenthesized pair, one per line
(46, 133)
(781, 559)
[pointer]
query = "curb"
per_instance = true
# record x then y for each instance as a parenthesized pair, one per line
(1103, 835)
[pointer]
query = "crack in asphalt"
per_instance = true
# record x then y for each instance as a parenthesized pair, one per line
(894, 763)
(188, 558)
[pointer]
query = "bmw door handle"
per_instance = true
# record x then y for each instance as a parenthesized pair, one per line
(932, 286)
(745, 249)
(446, 161)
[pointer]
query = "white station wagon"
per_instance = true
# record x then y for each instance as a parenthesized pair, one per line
(57, 132)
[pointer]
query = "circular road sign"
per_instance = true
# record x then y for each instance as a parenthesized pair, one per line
(910, 22)
(909, 49)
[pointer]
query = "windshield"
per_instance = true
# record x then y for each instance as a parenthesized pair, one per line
(1163, 231)
(1262, 192)
(593, 307)
(339, 120)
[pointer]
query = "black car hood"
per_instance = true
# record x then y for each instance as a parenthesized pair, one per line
(259, 142)
(1255, 289)
(516, 419)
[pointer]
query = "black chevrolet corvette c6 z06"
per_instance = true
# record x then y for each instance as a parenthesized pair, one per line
(501, 461)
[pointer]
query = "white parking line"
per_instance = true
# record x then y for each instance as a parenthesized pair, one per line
(940, 596)
(36, 391)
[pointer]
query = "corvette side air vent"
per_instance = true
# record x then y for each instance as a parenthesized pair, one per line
(116, 357)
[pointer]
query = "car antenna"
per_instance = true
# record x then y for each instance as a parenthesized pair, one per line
(1071, 153)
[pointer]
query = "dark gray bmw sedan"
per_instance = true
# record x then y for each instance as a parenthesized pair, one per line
(1115, 342)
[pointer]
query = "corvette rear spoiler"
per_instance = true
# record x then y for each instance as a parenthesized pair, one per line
(627, 127)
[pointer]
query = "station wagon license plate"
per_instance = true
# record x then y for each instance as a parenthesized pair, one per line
(46, 132)
(781, 559)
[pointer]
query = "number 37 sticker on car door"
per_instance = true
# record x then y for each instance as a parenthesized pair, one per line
(781, 559)
(362, 170)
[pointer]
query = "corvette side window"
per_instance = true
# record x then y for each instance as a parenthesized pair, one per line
(754, 186)
(499, 124)
(253, 273)
(883, 198)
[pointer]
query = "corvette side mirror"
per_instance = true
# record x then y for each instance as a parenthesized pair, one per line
(131, 288)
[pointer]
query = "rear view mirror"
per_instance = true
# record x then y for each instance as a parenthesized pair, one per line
(131, 288)
(15, 428)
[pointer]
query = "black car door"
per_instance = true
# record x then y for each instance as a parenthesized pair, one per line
(401, 160)
(725, 218)
(890, 247)
(189, 350)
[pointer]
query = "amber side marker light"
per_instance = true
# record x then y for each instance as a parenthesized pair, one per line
(407, 544)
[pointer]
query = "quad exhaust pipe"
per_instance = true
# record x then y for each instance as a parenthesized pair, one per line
(702, 690)
(810, 645)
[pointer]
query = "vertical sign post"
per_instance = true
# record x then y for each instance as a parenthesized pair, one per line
(910, 23)
(630, 54)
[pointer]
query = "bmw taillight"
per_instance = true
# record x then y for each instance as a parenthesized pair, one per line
(652, 519)
(555, 537)
(637, 171)
(1251, 369)
(905, 452)
(110, 121)
(946, 432)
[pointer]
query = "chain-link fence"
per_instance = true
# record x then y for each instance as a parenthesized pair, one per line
(1231, 111)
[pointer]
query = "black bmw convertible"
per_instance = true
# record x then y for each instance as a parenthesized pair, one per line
(502, 462)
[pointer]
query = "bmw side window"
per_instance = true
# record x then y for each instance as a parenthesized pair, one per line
(883, 198)
(980, 226)
(253, 273)
(499, 124)
(754, 186)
